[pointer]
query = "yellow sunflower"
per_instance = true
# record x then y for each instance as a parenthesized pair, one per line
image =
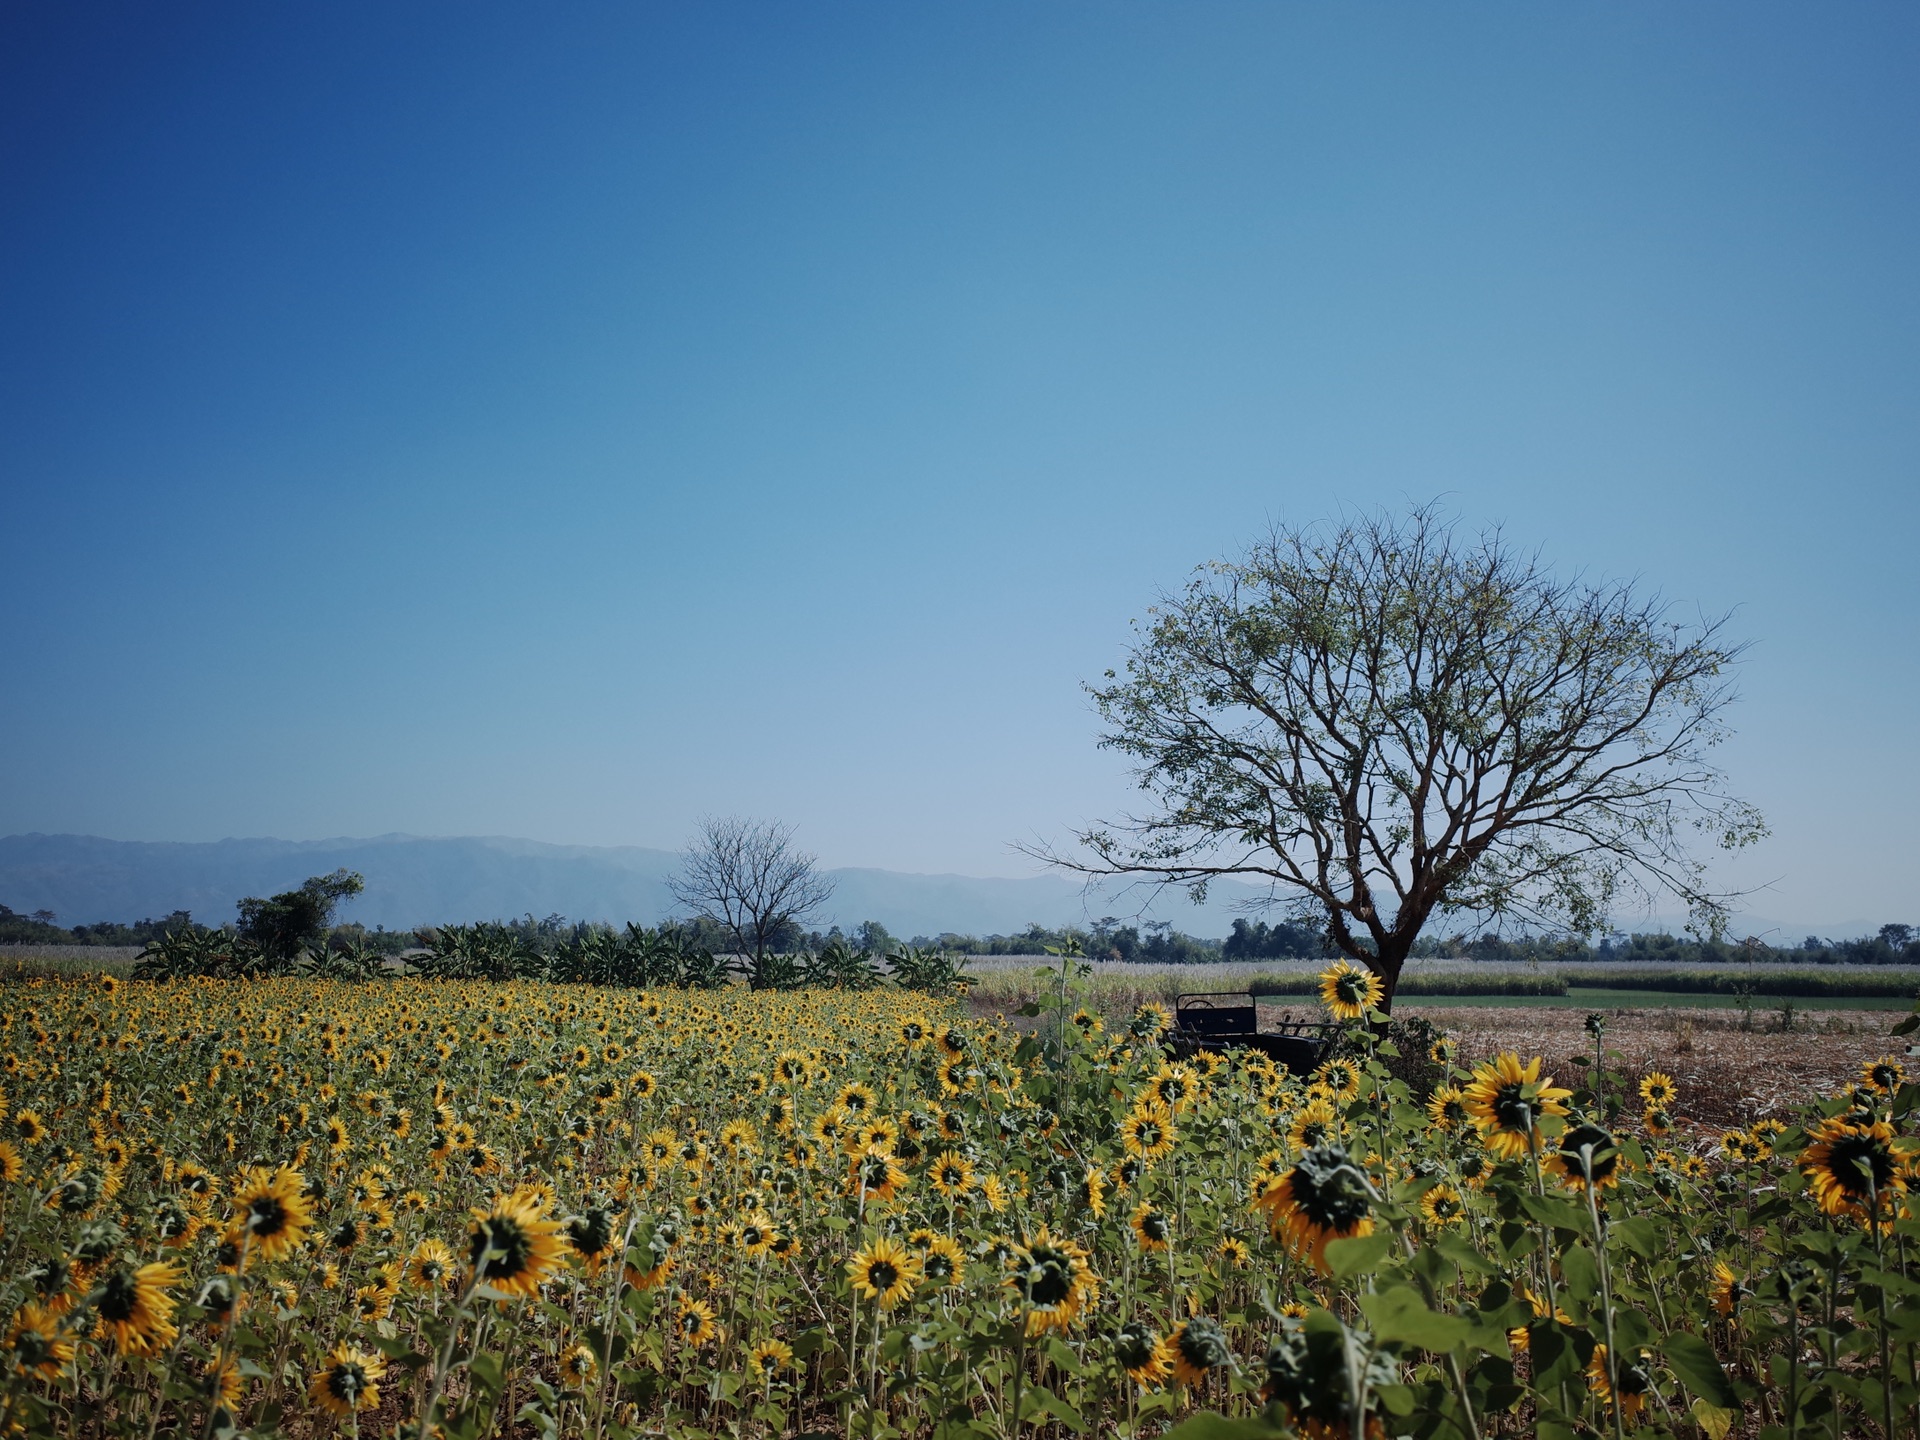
(884, 1273)
(1506, 1100)
(769, 1357)
(272, 1211)
(1321, 1199)
(1853, 1169)
(1341, 1077)
(1053, 1280)
(1151, 1227)
(431, 1265)
(1173, 1089)
(1316, 1124)
(1196, 1348)
(1149, 1134)
(757, 1233)
(1728, 1292)
(1142, 1354)
(578, 1364)
(1658, 1089)
(1586, 1152)
(36, 1345)
(1884, 1075)
(1629, 1385)
(1447, 1108)
(514, 1245)
(135, 1310)
(942, 1262)
(876, 1174)
(1349, 991)
(952, 1174)
(349, 1381)
(1442, 1205)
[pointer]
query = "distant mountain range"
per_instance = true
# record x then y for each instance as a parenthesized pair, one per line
(414, 880)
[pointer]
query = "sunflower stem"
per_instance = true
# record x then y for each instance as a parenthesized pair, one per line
(606, 1338)
(443, 1362)
(1793, 1365)
(233, 1314)
(1019, 1365)
(1617, 1401)
(1880, 1308)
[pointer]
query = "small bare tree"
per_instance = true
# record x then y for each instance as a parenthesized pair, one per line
(1382, 720)
(746, 877)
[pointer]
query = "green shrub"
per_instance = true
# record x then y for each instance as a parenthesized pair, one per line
(1809, 984)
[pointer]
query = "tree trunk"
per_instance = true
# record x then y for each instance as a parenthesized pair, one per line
(1387, 964)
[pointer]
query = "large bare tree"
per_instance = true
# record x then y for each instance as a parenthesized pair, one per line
(1384, 719)
(747, 877)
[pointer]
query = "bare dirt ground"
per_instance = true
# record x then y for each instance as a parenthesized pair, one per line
(1727, 1076)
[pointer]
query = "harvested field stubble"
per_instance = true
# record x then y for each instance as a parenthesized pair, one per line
(1730, 1075)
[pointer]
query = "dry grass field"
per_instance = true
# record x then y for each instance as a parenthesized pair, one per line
(1728, 1075)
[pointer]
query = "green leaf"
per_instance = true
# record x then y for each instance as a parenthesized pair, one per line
(1559, 1353)
(1058, 1407)
(1461, 1253)
(1714, 1421)
(1560, 1214)
(1396, 1399)
(1359, 1255)
(1580, 1274)
(1062, 1355)
(1699, 1369)
(1638, 1234)
(488, 1372)
(1400, 1314)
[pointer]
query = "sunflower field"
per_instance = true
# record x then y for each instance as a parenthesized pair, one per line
(308, 1207)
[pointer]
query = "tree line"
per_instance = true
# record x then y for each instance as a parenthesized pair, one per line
(276, 926)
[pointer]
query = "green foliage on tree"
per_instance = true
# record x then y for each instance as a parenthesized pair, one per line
(1387, 720)
(290, 924)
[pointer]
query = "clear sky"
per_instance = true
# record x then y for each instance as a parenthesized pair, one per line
(565, 421)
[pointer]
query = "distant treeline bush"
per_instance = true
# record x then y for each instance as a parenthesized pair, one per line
(1465, 982)
(1792, 983)
(1771, 983)
(1891, 945)
(638, 956)
(39, 929)
(1159, 944)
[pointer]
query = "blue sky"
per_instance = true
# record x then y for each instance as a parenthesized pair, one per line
(565, 423)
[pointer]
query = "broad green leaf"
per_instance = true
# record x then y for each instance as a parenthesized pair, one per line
(1638, 1234)
(1714, 1421)
(1062, 1355)
(1580, 1274)
(1360, 1254)
(1400, 1314)
(1559, 1353)
(1699, 1369)
(1058, 1407)
(488, 1372)
(1550, 1210)
(1460, 1252)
